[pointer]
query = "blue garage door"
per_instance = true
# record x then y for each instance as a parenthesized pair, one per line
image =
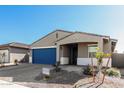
(44, 56)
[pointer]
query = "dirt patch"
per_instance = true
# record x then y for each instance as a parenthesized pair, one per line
(110, 82)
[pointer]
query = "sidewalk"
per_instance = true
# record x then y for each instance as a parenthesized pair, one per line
(5, 84)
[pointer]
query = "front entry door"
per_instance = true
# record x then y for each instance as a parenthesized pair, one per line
(73, 54)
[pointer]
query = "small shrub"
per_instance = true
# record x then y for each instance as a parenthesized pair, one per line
(16, 62)
(88, 70)
(57, 69)
(113, 72)
(46, 77)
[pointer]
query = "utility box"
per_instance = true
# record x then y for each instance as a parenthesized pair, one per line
(46, 71)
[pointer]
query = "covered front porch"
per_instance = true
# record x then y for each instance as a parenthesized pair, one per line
(77, 49)
(79, 54)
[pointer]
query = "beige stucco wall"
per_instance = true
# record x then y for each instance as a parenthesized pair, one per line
(18, 54)
(6, 55)
(107, 46)
(64, 54)
(15, 56)
(18, 50)
(82, 51)
(64, 51)
(78, 37)
(100, 44)
(50, 39)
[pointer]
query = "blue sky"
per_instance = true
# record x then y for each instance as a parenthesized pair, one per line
(26, 24)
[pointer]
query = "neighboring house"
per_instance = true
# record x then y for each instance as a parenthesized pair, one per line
(14, 51)
(73, 48)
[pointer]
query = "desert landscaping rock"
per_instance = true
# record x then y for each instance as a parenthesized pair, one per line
(110, 82)
(30, 75)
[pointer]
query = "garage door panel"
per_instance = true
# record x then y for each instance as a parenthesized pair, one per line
(44, 56)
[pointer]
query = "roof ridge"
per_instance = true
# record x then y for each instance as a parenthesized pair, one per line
(92, 34)
(64, 30)
(82, 32)
(51, 33)
(66, 36)
(16, 44)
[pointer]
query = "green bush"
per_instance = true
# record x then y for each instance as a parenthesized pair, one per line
(113, 72)
(88, 70)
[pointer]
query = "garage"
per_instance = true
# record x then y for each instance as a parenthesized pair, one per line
(44, 56)
(4, 55)
(15, 51)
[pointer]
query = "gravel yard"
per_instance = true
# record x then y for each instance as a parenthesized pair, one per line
(30, 75)
(44, 85)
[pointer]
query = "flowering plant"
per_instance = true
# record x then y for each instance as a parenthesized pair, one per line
(101, 55)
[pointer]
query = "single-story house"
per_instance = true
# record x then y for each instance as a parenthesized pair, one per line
(73, 48)
(14, 51)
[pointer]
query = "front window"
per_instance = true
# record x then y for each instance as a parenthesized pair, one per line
(92, 50)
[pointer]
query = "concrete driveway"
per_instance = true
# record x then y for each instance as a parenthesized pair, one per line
(30, 73)
(22, 72)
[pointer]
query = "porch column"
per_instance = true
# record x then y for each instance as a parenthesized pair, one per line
(58, 53)
(64, 55)
(82, 51)
(30, 56)
(100, 44)
(82, 54)
(107, 47)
